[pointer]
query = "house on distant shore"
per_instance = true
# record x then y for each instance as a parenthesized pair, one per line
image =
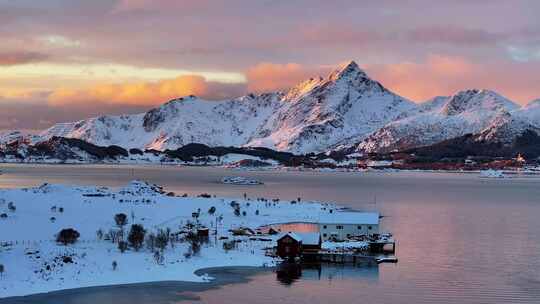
(294, 244)
(339, 226)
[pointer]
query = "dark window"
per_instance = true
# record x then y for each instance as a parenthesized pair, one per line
(369, 227)
(339, 227)
(324, 226)
(359, 227)
(324, 234)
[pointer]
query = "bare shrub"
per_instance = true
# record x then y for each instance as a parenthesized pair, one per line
(99, 234)
(158, 257)
(68, 236)
(120, 219)
(150, 241)
(162, 239)
(115, 235)
(122, 246)
(229, 245)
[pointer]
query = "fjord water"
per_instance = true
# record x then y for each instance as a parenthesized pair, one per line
(461, 239)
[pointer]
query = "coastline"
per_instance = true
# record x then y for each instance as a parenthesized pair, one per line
(35, 263)
(524, 173)
(155, 289)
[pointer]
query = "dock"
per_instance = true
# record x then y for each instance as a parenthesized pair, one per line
(379, 251)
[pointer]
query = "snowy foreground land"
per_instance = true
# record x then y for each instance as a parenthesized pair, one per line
(32, 217)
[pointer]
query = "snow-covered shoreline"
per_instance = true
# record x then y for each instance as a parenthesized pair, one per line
(35, 263)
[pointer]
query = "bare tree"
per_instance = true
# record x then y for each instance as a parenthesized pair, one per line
(136, 236)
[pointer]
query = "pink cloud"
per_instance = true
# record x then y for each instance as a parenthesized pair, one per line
(454, 35)
(419, 81)
(156, 5)
(445, 75)
(265, 77)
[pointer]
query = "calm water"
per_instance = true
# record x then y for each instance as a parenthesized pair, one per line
(461, 239)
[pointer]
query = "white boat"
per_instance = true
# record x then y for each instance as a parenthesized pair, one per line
(239, 180)
(491, 174)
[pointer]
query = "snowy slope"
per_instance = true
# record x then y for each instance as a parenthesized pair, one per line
(311, 117)
(469, 111)
(321, 113)
(177, 123)
(33, 260)
(505, 128)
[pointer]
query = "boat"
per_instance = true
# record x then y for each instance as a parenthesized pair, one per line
(239, 180)
(386, 260)
(491, 174)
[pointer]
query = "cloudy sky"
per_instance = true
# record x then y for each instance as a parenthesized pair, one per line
(63, 60)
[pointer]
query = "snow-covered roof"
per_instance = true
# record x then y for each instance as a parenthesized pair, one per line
(371, 218)
(307, 238)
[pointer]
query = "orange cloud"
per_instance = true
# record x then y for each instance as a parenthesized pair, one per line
(14, 94)
(265, 77)
(133, 94)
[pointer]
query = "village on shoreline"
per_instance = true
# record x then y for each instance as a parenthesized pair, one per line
(56, 237)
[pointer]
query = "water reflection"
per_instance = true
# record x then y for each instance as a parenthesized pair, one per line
(462, 239)
(286, 227)
(288, 273)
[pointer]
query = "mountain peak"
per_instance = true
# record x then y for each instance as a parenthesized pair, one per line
(475, 100)
(533, 104)
(348, 70)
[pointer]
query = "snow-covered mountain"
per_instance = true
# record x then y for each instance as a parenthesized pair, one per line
(321, 113)
(467, 112)
(311, 117)
(177, 123)
(507, 127)
(344, 111)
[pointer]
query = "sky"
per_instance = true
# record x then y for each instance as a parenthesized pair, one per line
(65, 60)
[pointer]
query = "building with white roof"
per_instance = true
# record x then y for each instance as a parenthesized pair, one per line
(340, 226)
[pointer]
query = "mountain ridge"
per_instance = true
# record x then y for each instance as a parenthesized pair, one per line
(346, 110)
